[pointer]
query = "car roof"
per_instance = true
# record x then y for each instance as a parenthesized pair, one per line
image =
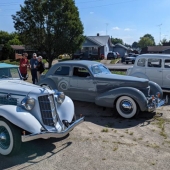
(154, 55)
(79, 62)
(5, 65)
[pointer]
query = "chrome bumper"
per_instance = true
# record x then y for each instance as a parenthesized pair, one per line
(47, 134)
(157, 104)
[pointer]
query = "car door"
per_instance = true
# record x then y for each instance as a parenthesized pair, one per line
(61, 78)
(166, 74)
(82, 84)
(154, 70)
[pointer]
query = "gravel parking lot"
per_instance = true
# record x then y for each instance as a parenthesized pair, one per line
(104, 141)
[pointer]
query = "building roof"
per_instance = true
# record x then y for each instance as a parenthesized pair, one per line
(166, 56)
(120, 45)
(158, 48)
(18, 47)
(100, 40)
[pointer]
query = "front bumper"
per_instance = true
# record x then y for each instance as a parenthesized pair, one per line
(157, 103)
(48, 134)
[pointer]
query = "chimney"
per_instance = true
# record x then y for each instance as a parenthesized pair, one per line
(98, 34)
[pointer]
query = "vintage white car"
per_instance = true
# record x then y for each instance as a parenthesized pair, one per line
(29, 112)
(154, 67)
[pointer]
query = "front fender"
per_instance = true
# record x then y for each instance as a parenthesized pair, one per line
(48, 82)
(21, 118)
(108, 98)
(154, 88)
(66, 109)
(140, 75)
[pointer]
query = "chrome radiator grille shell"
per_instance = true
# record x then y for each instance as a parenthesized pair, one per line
(48, 110)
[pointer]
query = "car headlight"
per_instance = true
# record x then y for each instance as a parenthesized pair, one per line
(60, 97)
(28, 103)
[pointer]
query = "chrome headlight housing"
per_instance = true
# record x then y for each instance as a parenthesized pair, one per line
(60, 97)
(28, 103)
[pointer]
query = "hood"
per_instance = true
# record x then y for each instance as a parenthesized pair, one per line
(123, 80)
(19, 87)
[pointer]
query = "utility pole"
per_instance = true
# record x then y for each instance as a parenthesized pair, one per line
(106, 27)
(160, 31)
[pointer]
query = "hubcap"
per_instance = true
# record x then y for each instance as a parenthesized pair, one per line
(126, 106)
(4, 138)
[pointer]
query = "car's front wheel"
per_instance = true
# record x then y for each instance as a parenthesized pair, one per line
(10, 138)
(126, 107)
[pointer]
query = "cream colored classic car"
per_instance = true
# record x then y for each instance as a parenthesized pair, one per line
(154, 67)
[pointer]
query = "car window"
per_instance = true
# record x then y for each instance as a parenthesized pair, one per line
(141, 62)
(154, 62)
(167, 64)
(99, 68)
(9, 73)
(80, 72)
(63, 70)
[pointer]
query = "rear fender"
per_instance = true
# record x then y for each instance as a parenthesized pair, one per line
(21, 118)
(108, 98)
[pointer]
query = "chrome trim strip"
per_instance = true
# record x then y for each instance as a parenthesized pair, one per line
(47, 134)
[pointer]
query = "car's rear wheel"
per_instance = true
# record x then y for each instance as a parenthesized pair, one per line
(126, 107)
(10, 138)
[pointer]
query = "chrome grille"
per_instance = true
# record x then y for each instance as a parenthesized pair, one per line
(48, 110)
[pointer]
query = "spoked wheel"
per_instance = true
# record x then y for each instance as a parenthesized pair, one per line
(10, 138)
(126, 107)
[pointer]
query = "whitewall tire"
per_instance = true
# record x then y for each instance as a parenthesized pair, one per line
(126, 107)
(10, 138)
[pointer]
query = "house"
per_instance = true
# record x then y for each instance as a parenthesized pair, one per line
(18, 50)
(96, 46)
(121, 49)
(156, 49)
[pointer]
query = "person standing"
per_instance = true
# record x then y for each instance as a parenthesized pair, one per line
(24, 63)
(40, 67)
(33, 67)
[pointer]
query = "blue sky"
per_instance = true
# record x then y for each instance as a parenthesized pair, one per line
(125, 19)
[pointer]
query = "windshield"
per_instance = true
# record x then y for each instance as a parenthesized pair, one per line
(9, 73)
(99, 68)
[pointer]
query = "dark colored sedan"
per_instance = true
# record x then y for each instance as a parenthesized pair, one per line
(111, 55)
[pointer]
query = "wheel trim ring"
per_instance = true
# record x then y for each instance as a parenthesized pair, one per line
(9, 149)
(4, 138)
(126, 106)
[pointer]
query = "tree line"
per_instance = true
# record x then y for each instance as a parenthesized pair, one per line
(52, 28)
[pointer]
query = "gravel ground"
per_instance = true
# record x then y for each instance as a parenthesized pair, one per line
(104, 141)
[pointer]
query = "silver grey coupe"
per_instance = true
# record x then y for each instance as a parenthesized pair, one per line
(91, 81)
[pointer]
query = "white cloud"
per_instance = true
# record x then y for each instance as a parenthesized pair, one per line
(116, 28)
(127, 29)
(91, 12)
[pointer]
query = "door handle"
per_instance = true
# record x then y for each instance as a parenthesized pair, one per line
(160, 70)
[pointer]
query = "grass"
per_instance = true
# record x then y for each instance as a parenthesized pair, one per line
(114, 61)
(105, 130)
(119, 72)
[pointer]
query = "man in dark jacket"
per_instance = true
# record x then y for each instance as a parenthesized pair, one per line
(40, 67)
(33, 67)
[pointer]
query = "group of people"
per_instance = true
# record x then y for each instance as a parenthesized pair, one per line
(35, 65)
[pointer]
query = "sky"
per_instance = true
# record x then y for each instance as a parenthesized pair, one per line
(125, 19)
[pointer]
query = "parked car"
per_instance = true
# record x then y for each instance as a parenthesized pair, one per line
(131, 59)
(154, 67)
(91, 81)
(111, 55)
(29, 112)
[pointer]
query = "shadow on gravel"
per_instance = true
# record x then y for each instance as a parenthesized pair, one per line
(108, 118)
(29, 151)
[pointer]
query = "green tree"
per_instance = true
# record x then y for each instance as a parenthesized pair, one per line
(135, 45)
(50, 26)
(151, 37)
(7, 52)
(116, 40)
(4, 37)
(127, 45)
(145, 41)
